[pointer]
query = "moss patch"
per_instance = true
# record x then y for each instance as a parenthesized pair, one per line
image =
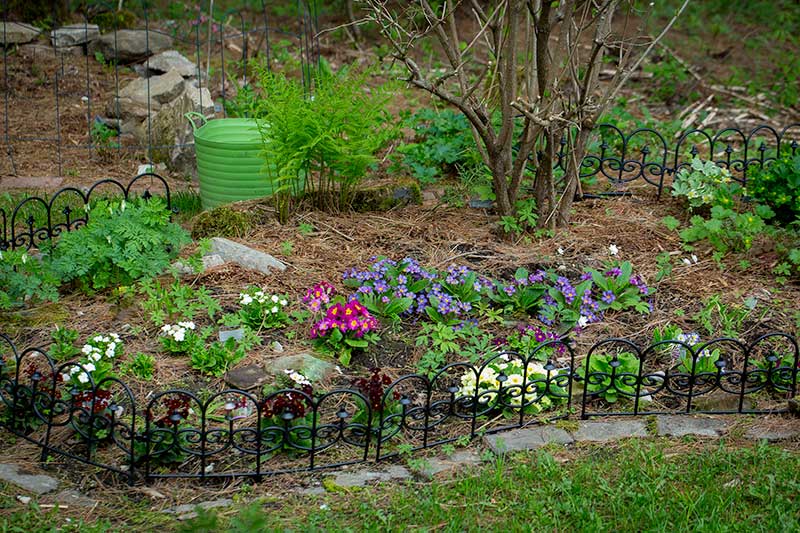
(222, 221)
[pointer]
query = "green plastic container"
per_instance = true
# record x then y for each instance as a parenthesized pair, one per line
(229, 167)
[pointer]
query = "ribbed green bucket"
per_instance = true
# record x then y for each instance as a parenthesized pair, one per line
(229, 167)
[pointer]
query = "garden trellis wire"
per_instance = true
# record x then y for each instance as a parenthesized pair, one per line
(75, 86)
(235, 433)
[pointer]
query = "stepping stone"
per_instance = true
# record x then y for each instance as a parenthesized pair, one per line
(247, 377)
(442, 466)
(36, 483)
(365, 477)
(604, 431)
(188, 511)
(526, 439)
(772, 434)
(679, 426)
(73, 498)
(74, 35)
(245, 256)
(17, 33)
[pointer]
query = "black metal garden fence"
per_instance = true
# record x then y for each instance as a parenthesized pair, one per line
(213, 35)
(236, 433)
(35, 220)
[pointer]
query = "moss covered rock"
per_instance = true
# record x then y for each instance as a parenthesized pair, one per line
(222, 221)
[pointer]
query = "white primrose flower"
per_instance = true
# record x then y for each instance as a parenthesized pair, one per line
(245, 299)
(560, 251)
(514, 379)
(274, 309)
(686, 261)
(274, 299)
(612, 249)
(166, 328)
(583, 321)
(83, 377)
(186, 325)
(284, 303)
(179, 335)
(95, 357)
(87, 349)
(89, 367)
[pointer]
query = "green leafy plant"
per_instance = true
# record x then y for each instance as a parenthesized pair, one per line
(727, 230)
(217, 357)
(717, 315)
(121, 243)
(25, 279)
(259, 310)
(705, 184)
(104, 138)
(165, 303)
(778, 186)
(321, 146)
(142, 366)
(63, 347)
(604, 375)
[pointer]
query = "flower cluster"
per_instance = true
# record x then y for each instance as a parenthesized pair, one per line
(374, 388)
(500, 385)
(177, 410)
(259, 310)
(180, 338)
(96, 402)
(297, 378)
(289, 403)
(97, 362)
(526, 338)
(351, 318)
(318, 296)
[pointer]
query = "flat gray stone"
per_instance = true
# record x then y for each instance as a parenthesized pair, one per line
(209, 261)
(245, 256)
(130, 45)
(17, 33)
(200, 98)
(74, 35)
(772, 434)
(720, 401)
(247, 377)
(366, 477)
(172, 60)
(604, 431)
(188, 511)
(163, 89)
(442, 466)
(526, 439)
(679, 426)
(73, 498)
(36, 483)
(313, 368)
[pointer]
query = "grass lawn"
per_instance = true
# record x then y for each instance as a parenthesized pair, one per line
(649, 485)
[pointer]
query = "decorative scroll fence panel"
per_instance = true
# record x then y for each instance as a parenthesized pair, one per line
(233, 433)
(75, 83)
(36, 220)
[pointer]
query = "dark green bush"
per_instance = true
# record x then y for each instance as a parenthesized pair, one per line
(778, 186)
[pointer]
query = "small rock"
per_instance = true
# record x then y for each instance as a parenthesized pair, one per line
(127, 46)
(362, 478)
(313, 491)
(311, 367)
(429, 196)
(526, 439)
(36, 483)
(130, 110)
(188, 511)
(17, 33)
(171, 60)
(24, 500)
(73, 498)
(680, 425)
(209, 261)
(277, 347)
(720, 401)
(200, 98)
(604, 431)
(448, 465)
(772, 434)
(74, 35)
(245, 256)
(481, 204)
(36, 51)
(247, 377)
(162, 89)
(235, 334)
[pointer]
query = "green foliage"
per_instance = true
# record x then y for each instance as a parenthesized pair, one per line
(442, 142)
(63, 347)
(671, 223)
(142, 366)
(259, 311)
(600, 368)
(664, 263)
(524, 219)
(778, 186)
(718, 316)
(705, 184)
(24, 278)
(218, 357)
(727, 230)
(104, 138)
(321, 145)
(120, 244)
(669, 78)
(179, 300)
